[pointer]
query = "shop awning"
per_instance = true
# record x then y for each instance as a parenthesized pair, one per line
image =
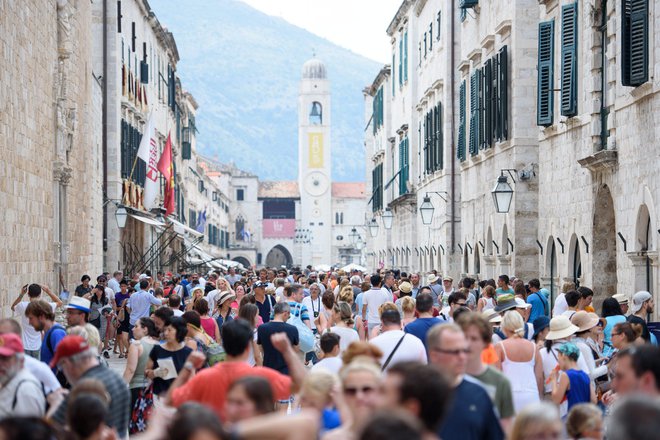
(182, 229)
(147, 220)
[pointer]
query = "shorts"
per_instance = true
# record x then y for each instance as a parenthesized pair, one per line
(124, 326)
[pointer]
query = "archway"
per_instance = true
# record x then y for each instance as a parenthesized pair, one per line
(477, 261)
(279, 256)
(644, 239)
(604, 273)
(466, 267)
(575, 261)
(505, 241)
(551, 269)
(244, 261)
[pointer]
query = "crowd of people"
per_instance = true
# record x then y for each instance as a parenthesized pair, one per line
(299, 354)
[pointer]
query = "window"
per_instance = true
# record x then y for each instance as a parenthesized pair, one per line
(404, 164)
(393, 70)
(475, 83)
(130, 139)
(339, 218)
(433, 142)
(240, 228)
(240, 194)
(420, 55)
(425, 46)
(431, 37)
(377, 109)
(464, 4)
(405, 56)
(439, 24)
(545, 82)
(119, 16)
(569, 60)
(279, 209)
(635, 46)
(192, 218)
(400, 61)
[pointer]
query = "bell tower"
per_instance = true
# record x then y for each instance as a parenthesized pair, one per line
(315, 162)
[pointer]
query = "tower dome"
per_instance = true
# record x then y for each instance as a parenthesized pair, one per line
(314, 69)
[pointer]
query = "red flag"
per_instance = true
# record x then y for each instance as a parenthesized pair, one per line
(166, 167)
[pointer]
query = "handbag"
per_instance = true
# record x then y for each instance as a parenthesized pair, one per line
(305, 334)
(142, 410)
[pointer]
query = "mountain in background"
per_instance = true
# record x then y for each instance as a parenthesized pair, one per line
(243, 67)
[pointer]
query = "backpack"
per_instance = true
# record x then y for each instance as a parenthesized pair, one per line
(305, 334)
(61, 378)
(214, 352)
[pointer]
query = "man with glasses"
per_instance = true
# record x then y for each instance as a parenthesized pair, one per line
(456, 300)
(471, 415)
(638, 371)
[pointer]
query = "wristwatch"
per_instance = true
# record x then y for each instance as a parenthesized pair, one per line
(189, 366)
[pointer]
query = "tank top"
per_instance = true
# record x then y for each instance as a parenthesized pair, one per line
(522, 378)
(208, 324)
(579, 390)
(138, 380)
(489, 303)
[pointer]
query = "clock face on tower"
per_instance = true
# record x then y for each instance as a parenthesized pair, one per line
(316, 183)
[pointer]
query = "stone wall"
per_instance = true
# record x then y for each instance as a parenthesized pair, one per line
(50, 168)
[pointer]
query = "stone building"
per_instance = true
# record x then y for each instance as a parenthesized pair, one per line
(556, 98)
(50, 143)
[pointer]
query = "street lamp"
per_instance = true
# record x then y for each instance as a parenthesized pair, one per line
(354, 236)
(502, 194)
(387, 218)
(121, 215)
(426, 210)
(373, 227)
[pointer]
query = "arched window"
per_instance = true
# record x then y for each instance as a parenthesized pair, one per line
(316, 114)
(240, 228)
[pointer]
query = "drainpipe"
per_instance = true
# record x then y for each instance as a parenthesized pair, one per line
(104, 147)
(453, 130)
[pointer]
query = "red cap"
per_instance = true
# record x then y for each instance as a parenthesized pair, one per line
(10, 344)
(168, 274)
(69, 346)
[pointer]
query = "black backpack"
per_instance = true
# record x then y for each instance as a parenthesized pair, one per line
(61, 378)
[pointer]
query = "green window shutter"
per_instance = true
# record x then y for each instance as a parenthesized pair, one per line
(393, 71)
(374, 190)
(431, 36)
(502, 95)
(460, 151)
(464, 4)
(405, 56)
(433, 135)
(474, 112)
(487, 114)
(437, 165)
(546, 61)
(427, 152)
(635, 48)
(569, 59)
(400, 61)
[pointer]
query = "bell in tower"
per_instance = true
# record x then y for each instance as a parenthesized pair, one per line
(316, 115)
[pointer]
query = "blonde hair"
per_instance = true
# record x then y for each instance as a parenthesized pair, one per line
(537, 415)
(408, 304)
(319, 384)
(89, 333)
(583, 417)
(389, 305)
(361, 350)
(344, 290)
(346, 295)
(567, 287)
(361, 364)
(345, 312)
(513, 323)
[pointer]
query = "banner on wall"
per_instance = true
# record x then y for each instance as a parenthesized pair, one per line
(279, 228)
(315, 150)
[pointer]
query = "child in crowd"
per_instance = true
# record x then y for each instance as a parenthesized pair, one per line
(568, 382)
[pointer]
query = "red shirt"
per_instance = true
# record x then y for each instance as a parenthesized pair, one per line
(210, 386)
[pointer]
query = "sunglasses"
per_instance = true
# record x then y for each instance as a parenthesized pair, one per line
(353, 391)
(453, 352)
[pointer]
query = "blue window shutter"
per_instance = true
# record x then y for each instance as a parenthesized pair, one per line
(460, 151)
(546, 61)
(405, 56)
(502, 94)
(635, 50)
(569, 59)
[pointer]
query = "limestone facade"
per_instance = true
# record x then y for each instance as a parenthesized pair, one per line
(585, 189)
(50, 144)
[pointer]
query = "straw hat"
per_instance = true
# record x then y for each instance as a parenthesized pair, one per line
(560, 328)
(584, 321)
(622, 298)
(492, 316)
(405, 287)
(432, 278)
(224, 297)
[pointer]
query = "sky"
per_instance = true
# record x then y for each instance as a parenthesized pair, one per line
(357, 25)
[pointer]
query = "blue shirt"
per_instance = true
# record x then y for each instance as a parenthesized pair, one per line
(358, 302)
(140, 303)
(471, 415)
(579, 390)
(49, 344)
(539, 305)
(421, 326)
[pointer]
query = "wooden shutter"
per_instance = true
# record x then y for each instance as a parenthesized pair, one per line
(487, 115)
(502, 95)
(427, 152)
(463, 4)
(400, 61)
(569, 59)
(474, 112)
(545, 83)
(393, 74)
(635, 50)
(119, 16)
(405, 56)
(439, 159)
(460, 151)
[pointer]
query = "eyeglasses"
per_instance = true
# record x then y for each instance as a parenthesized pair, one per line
(463, 304)
(456, 352)
(353, 391)
(616, 334)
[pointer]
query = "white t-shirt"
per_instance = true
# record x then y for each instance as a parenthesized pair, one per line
(346, 337)
(331, 364)
(568, 313)
(314, 308)
(211, 297)
(560, 305)
(373, 299)
(114, 285)
(43, 374)
(178, 313)
(30, 399)
(31, 337)
(410, 349)
(279, 294)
